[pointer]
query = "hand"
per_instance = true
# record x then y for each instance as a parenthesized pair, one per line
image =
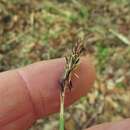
(121, 125)
(29, 93)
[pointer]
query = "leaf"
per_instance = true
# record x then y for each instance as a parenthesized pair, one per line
(120, 36)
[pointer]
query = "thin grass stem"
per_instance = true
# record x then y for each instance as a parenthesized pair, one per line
(62, 95)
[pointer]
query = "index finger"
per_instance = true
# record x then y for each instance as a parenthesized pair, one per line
(33, 91)
(42, 80)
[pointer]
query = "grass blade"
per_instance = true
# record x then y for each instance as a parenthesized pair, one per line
(120, 36)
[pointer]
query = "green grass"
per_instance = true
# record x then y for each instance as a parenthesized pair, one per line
(102, 56)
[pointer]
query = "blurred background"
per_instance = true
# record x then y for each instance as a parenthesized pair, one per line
(34, 30)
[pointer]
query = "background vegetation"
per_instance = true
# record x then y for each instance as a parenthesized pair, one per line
(34, 30)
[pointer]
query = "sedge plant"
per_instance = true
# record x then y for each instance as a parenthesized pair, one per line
(72, 63)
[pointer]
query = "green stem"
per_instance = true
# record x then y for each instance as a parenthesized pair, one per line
(62, 95)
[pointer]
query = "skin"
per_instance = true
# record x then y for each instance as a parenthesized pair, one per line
(120, 125)
(32, 92)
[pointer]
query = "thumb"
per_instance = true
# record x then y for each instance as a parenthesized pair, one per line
(33, 91)
(120, 125)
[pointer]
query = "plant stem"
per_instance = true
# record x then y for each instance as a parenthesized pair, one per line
(62, 95)
(72, 62)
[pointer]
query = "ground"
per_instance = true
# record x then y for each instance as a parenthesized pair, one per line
(34, 30)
